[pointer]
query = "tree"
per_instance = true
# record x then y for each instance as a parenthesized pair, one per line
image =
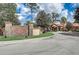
(69, 26)
(76, 16)
(43, 20)
(7, 13)
(33, 7)
(49, 19)
(63, 20)
(54, 16)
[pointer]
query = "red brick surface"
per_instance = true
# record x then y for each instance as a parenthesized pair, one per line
(19, 30)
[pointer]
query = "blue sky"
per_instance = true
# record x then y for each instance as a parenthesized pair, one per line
(69, 6)
(64, 9)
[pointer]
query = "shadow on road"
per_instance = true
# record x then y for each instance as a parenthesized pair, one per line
(70, 33)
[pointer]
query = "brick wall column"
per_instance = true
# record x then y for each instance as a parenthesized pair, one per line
(30, 29)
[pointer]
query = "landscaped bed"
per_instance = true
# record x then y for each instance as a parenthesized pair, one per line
(2, 38)
(77, 30)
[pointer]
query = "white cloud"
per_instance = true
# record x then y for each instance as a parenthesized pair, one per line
(48, 7)
(58, 8)
(71, 17)
(20, 18)
(51, 7)
(72, 13)
(75, 5)
(68, 15)
(64, 13)
(25, 9)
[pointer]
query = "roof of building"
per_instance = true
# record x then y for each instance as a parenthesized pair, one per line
(75, 24)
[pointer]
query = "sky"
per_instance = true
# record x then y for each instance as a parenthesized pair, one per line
(63, 9)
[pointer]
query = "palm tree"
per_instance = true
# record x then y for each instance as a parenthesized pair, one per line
(63, 20)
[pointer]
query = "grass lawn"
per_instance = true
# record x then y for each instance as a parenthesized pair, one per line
(2, 38)
(42, 35)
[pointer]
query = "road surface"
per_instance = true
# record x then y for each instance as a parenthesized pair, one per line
(62, 43)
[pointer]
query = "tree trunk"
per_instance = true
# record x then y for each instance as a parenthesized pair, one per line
(31, 15)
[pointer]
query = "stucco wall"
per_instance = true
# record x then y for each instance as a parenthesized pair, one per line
(36, 31)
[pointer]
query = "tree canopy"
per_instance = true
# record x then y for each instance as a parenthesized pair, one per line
(43, 19)
(76, 16)
(63, 19)
(54, 16)
(33, 7)
(69, 26)
(7, 13)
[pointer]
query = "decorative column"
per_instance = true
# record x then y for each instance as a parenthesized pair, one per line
(8, 28)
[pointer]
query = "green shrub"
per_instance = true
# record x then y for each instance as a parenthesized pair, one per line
(77, 30)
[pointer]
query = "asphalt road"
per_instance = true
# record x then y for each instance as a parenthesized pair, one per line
(62, 43)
